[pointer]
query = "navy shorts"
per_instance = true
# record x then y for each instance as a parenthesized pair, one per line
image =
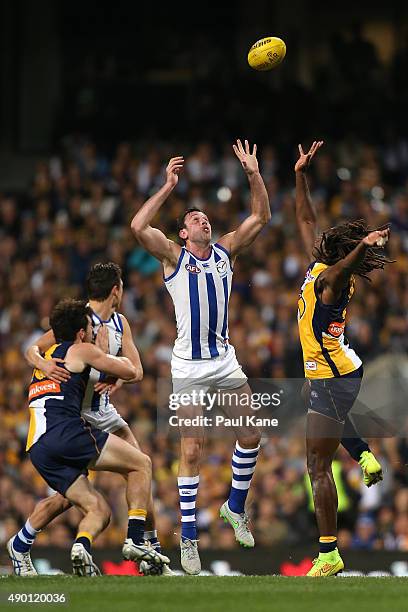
(335, 397)
(64, 452)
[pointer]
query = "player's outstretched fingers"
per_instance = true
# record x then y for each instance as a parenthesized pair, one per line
(240, 147)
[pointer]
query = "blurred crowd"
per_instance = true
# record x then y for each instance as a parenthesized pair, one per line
(77, 211)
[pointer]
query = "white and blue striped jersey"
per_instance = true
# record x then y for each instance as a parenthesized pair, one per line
(93, 401)
(200, 290)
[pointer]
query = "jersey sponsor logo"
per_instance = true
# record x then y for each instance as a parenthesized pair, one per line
(47, 386)
(222, 268)
(192, 269)
(310, 365)
(336, 329)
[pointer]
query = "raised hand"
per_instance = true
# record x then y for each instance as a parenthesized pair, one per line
(378, 238)
(173, 169)
(248, 160)
(305, 158)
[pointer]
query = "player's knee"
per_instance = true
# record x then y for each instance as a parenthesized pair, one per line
(250, 440)
(192, 452)
(144, 464)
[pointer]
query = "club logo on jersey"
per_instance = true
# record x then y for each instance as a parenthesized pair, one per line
(336, 329)
(192, 269)
(309, 278)
(118, 339)
(310, 365)
(47, 386)
(222, 268)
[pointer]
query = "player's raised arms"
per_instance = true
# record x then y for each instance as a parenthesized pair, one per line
(260, 215)
(305, 213)
(151, 238)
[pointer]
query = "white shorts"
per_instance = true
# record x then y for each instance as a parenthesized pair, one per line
(222, 372)
(108, 420)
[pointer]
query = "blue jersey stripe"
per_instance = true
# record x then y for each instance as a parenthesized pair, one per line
(225, 286)
(115, 318)
(96, 397)
(212, 315)
(224, 324)
(194, 313)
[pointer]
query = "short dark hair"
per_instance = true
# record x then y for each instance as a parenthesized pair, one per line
(101, 279)
(181, 221)
(339, 241)
(67, 318)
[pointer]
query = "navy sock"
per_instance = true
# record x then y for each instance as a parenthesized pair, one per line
(188, 487)
(25, 538)
(352, 442)
(243, 468)
(151, 536)
(85, 539)
(326, 546)
(136, 525)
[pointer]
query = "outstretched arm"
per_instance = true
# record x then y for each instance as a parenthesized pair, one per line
(305, 213)
(334, 279)
(260, 215)
(80, 355)
(151, 238)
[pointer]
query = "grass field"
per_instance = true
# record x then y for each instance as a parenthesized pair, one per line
(218, 594)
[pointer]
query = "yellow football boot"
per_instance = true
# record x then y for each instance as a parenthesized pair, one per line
(327, 564)
(372, 470)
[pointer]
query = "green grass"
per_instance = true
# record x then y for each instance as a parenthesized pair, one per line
(213, 594)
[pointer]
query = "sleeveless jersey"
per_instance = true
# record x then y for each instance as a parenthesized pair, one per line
(94, 401)
(51, 402)
(200, 290)
(326, 351)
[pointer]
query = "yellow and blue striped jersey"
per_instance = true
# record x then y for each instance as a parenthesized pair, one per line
(326, 351)
(50, 402)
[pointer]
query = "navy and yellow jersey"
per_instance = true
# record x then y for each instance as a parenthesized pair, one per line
(326, 351)
(50, 402)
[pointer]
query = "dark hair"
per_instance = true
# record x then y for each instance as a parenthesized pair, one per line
(67, 318)
(101, 279)
(181, 221)
(339, 241)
